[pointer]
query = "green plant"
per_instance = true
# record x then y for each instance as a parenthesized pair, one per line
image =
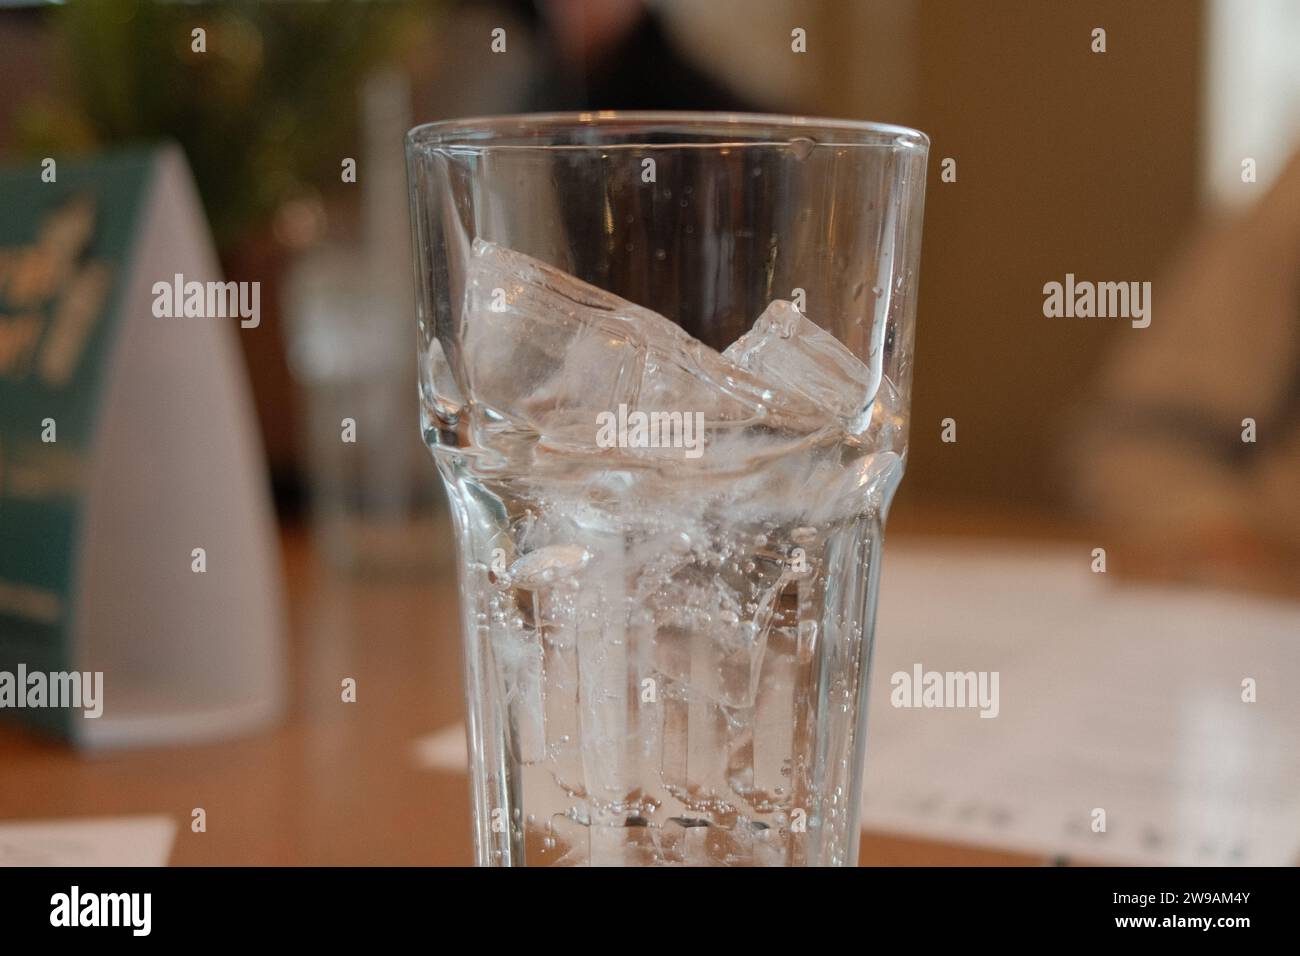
(264, 113)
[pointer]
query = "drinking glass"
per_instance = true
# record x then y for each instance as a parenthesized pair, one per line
(665, 361)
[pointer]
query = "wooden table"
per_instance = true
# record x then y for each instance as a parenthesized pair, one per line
(336, 782)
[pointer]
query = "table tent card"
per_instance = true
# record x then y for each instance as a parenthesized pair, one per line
(140, 589)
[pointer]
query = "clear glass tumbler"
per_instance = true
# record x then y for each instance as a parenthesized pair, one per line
(664, 373)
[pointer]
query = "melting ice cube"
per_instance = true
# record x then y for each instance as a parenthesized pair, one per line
(789, 352)
(545, 565)
(549, 352)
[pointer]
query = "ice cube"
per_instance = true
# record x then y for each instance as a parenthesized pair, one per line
(789, 352)
(864, 488)
(548, 352)
(539, 568)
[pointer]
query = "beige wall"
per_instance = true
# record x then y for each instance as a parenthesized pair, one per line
(1068, 161)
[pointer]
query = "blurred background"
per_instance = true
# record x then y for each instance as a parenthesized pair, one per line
(1125, 163)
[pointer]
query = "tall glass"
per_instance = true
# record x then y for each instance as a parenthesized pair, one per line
(665, 364)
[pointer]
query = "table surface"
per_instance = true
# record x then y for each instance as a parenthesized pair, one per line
(336, 783)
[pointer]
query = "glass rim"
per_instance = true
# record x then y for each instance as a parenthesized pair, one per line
(484, 133)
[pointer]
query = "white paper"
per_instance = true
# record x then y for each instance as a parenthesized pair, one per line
(1123, 699)
(103, 841)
